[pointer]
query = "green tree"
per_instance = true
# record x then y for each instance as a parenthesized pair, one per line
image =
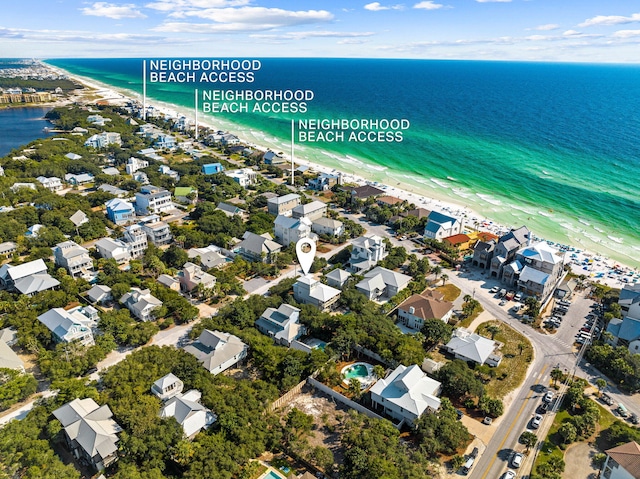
(556, 375)
(436, 331)
(493, 329)
(601, 384)
(444, 278)
(529, 439)
(568, 433)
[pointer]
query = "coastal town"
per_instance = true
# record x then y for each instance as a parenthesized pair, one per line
(156, 321)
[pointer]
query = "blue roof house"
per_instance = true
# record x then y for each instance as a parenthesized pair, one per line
(212, 168)
(120, 211)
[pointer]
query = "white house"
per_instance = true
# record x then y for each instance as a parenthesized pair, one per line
(99, 294)
(52, 183)
(406, 394)
(367, 252)
(74, 258)
(440, 226)
(289, 230)
(136, 240)
(134, 164)
(382, 282)
(79, 179)
(141, 303)
(102, 140)
(210, 256)
(622, 462)
(188, 412)
(109, 248)
(157, 231)
(308, 290)
(337, 278)
(244, 176)
(218, 351)
(153, 200)
(472, 347)
(167, 386)
(281, 324)
(327, 226)
(69, 326)
(8, 247)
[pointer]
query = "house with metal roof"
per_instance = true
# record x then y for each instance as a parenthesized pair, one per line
(110, 248)
(167, 386)
(99, 294)
(74, 258)
(120, 211)
(622, 462)
(189, 413)
(406, 394)
(255, 247)
(308, 290)
(217, 351)
(290, 230)
(313, 210)
(366, 252)
(337, 278)
(472, 347)
(141, 303)
(192, 276)
(327, 226)
(506, 248)
(70, 326)
(231, 210)
(210, 256)
(78, 179)
(382, 283)
(281, 324)
(90, 432)
(440, 226)
(27, 278)
(283, 205)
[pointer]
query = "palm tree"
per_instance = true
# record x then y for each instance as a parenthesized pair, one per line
(436, 270)
(466, 298)
(601, 384)
(556, 375)
(444, 278)
(493, 330)
(378, 371)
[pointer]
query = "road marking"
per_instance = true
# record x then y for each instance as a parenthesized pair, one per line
(512, 424)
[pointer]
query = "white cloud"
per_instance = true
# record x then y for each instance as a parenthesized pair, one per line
(610, 20)
(547, 27)
(626, 34)
(111, 10)
(493, 1)
(179, 5)
(428, 5)
(378, 7)
(311, 34)
(570, 33)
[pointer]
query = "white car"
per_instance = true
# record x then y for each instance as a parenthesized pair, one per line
(516, 460)
(518, 296)
(508, 475)
(535, 422)
(495, 289)
(548, 397)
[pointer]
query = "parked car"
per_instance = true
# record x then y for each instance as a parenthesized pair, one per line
(543, 408)
(518, 296)
(548, 397)
(487, 420)
(503, 302)
(516, 460)
(607, 399)
(495, 289)
(535, 422)
(508, 475)
(634, 418)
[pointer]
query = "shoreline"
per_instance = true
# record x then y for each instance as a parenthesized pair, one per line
(596, 265)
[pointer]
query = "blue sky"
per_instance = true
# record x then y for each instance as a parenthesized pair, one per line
(538, 30)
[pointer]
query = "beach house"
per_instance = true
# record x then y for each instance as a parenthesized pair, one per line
(366, 252)
(622, 462)
(506, 249)
(192, 277)
(136, 240)
(312, 211)
(281, 324)
(406, 394)
(120, 211)
(74, 258)
(153, 200)
(134, 164)
(109, 248)
(416, 309)
(27, 278)
(217, 351)
(473, 348)
(244, 176)
(290, 230)
(70, 326)
(212, 168)
(380, 283)
(90, 432)
(324, 182)
(439, 226)
(52, 183)
(141, 303)
(327, 226)
(255, 247)
(308, 290)
(283, 205)
(158, 232)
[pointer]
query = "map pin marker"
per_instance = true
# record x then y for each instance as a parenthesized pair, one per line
(306, 251)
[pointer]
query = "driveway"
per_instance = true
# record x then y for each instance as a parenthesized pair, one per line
(578, 462)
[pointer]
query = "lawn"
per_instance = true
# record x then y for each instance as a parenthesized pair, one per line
(450, 292)
(517, 353)
(466, 322)
(550, 445)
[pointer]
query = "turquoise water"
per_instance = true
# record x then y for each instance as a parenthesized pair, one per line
(357, 371)
(272, 475)
(553, 146)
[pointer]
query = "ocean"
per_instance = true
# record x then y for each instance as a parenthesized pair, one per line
(19, 126)
(550, 145)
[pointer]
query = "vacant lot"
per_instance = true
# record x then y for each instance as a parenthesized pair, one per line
(517, 353)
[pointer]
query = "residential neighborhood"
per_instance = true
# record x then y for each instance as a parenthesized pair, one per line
(169, 329)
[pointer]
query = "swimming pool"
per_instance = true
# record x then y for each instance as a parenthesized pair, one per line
(363, 372)
(271, 475)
